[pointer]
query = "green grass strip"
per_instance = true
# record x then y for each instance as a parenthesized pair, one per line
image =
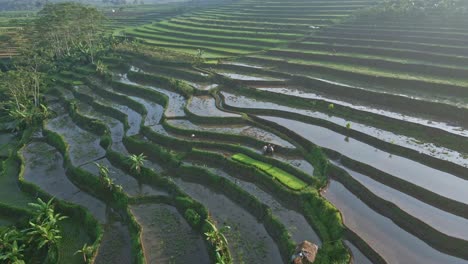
(282, 176)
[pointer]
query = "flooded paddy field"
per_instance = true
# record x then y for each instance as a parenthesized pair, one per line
(368, 113)
(205, 106)
(84, 146)
(383, 135)
(44, 168)
(248, 238)
(295, 222)
(130, 185)
(438, 182)
(176, 104)
(244, 130)
(392, 243)
(167, 238)
(115, 245)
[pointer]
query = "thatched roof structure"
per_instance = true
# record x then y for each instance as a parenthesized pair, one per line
(305, 253)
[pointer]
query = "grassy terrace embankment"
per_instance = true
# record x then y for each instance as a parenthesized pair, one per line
(244, 27)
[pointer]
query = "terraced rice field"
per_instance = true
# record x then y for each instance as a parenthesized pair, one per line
(368, 117)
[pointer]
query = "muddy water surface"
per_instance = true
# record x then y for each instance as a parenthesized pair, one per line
(115, 127)
(176, 104)
(391, 242)
(295, 222)
(130, 185)
(155, 111)
(244, 130)
(206, 106)
(413, 119)
(431, 179)
(248, 240)
(387, 136)
(167, 237)
(358, 256)
(133, 117)
(84, 146)
(442, 221)
(44, 168)
(115, 245)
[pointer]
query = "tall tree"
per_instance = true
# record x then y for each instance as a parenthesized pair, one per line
(67, 30)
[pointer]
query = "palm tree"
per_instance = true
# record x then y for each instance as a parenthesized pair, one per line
(44, 234)
(14, 254)
(86, 251)
(104, 175)
(44, 228)
(42, 210)
(218, 240)
(137, 161)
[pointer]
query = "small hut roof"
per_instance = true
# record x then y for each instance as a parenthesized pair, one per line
(309, 252)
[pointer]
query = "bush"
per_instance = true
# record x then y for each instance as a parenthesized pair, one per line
(192, 217)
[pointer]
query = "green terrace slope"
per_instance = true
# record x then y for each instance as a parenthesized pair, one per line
(416, 58)
(282, 176)
(245, 26)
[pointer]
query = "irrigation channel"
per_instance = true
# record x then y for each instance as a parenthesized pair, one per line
(368, 118)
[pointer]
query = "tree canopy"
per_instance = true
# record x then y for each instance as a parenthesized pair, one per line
(67, 30)
(61, 36)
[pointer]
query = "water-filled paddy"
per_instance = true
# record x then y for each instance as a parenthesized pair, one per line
(431, 179)
(386, 136)
(358, 257)
(116, 128)
(248, 239)
(155, 111)
(130, 185)
(176, 104)
(244, 130)
(442, 221)
(243, 77)
(296, 224)
(167, 237)
(391, 242)
(206, 106)
(115, 245)
(413, 119)
(44, 168)
(84, 146)
(133, 117)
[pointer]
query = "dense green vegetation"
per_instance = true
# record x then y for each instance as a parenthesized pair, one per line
(282, 176)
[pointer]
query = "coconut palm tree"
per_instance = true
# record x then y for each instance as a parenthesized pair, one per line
(137, 161)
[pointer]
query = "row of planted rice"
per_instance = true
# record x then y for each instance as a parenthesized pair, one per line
(243, 27)
(413, 58)
(11, 25)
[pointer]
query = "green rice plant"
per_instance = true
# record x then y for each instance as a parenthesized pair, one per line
(279, 174)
